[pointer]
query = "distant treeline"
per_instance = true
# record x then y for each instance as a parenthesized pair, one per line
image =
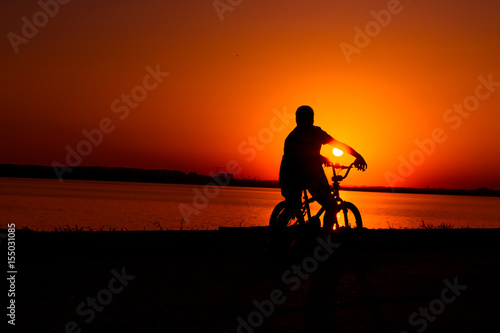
(480, 191)
(126, 175)
(179, 177)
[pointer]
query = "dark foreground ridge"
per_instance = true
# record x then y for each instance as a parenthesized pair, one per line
(225, 281)
(179, 177)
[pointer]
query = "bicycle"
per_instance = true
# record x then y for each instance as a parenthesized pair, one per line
(283, 221)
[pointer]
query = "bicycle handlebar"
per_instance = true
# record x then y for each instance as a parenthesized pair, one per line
(338, 166)
(341, 167)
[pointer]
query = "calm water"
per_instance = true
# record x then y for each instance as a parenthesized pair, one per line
(46, 204)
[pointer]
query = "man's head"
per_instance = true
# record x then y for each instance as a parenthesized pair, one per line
(304, 116)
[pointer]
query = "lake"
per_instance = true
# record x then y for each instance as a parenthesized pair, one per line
(44, 204)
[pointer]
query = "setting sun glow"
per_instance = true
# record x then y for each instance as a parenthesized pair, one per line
(337, 152)
(181, 86)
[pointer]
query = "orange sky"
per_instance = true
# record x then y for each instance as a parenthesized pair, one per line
(228, 79)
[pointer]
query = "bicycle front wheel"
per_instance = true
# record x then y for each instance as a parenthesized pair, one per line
(349, 216)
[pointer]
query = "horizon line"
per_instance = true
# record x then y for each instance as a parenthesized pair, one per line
(187, 173)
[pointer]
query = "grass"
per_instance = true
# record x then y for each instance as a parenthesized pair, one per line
(159, 227)
(76, 228)
(442, 226)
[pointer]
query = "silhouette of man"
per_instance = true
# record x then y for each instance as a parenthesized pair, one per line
(302, 166)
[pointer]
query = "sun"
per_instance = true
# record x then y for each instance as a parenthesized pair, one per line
(337, 152)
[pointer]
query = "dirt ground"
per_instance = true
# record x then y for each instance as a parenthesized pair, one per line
(229, 281)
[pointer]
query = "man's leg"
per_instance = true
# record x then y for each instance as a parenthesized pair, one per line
(293, 198)
(321, 192)
(330, 218)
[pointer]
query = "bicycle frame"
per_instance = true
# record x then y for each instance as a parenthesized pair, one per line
(280, 220)
(335, 188)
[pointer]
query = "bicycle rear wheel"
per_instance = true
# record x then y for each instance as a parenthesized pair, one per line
(285, 228)
(282, 218)
(349, 216)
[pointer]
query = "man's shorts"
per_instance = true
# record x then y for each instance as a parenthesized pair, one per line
(317, 184)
